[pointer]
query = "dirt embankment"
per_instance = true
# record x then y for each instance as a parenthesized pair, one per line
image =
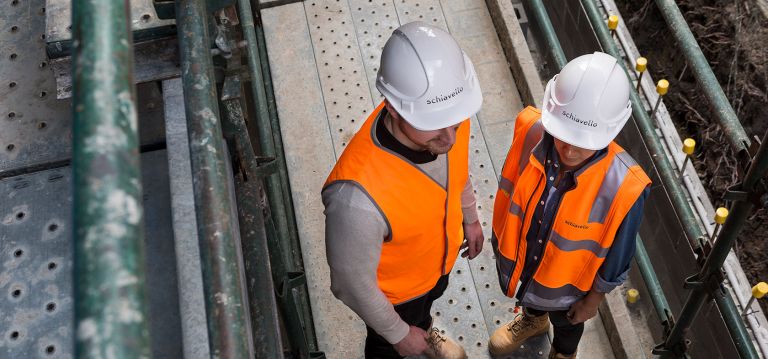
(734, 37)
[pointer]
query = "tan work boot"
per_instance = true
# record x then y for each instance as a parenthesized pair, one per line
(442, 347)
(509, 337)
(553, 354)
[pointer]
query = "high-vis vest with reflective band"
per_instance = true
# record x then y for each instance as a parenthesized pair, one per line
(425, 220)
(584, 226)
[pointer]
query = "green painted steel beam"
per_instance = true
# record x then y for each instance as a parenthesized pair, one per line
(658, 298)
(303, 300)
(674, 190)
(662, 164)
(283, 238)
(690, 222)
(109, 280)
(723, 110)
(548, 32)
(258, 272)
(265, 130)
(292, 229)
(228, 332)
(704, 282)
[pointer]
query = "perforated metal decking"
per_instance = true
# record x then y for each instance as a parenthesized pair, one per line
(324, 57)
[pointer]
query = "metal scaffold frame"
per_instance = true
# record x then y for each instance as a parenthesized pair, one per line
(110, 303)
(108, 217)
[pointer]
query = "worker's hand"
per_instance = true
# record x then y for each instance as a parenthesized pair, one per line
(586, 308)
(473, 233)
(414, 343)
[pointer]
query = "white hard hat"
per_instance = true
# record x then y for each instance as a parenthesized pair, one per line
(587, 104)
(427, 78)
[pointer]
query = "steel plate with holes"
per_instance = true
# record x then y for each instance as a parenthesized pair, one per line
(374, 23)
(342, 76)
(58, 30)
(36, 258)
(330, 51)
(35, 126)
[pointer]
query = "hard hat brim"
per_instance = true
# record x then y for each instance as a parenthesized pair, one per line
(469, 104)
(574, 136)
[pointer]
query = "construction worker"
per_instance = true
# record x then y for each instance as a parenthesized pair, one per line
(399, 202)
(569, 206)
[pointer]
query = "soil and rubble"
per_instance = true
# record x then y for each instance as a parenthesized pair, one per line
(734, 38)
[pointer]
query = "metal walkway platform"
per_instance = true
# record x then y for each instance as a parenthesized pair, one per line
(324, 56)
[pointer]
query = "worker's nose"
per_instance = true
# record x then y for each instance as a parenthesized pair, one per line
(449, 135)
(569, 151)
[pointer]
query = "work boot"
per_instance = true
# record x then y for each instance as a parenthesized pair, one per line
(442, 347)
(553, 354)
(507, 338)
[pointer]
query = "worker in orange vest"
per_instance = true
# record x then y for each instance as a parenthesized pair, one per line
(568, 207)
(399, 204)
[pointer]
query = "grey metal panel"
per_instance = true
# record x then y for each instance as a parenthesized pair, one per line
(149, 106)
(497, 308)
(342, 75)
(59, 19)
(470, 23)
(164, 324)
(459, 314)
(36, 252)
(194, 332)
(309, 159)
(429, 11)
(35, 126)
(153, 61)
(36, 256)
(374, 23)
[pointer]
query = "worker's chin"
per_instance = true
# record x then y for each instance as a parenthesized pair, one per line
(439, 149)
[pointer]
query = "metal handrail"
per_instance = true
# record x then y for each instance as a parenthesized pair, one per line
(653, 285)
(736, 327)
(709, 275)
(109, 286)
(689, 221)
(674, 190)
(225, 309)
(282, 235)
(711, 89)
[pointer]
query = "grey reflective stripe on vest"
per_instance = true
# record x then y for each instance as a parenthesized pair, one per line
(504, 265)
(617, 171)
(567, 245)
(531, 139)
(515, 209)
(543, 298)
(505, 185)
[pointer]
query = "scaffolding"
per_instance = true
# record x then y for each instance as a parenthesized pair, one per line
(255, 287)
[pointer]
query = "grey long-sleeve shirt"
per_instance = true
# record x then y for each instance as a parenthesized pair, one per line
(354, 233)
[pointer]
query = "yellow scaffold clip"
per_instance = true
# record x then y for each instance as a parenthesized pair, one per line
(758, 292)
(632, 295)
(640, 64)
(661, 88)
(613, 22)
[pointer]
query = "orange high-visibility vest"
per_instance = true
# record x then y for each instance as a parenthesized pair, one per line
(585, 224)
(425, 220)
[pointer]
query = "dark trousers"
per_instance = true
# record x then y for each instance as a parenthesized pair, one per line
(414, 312)
(567, 335)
